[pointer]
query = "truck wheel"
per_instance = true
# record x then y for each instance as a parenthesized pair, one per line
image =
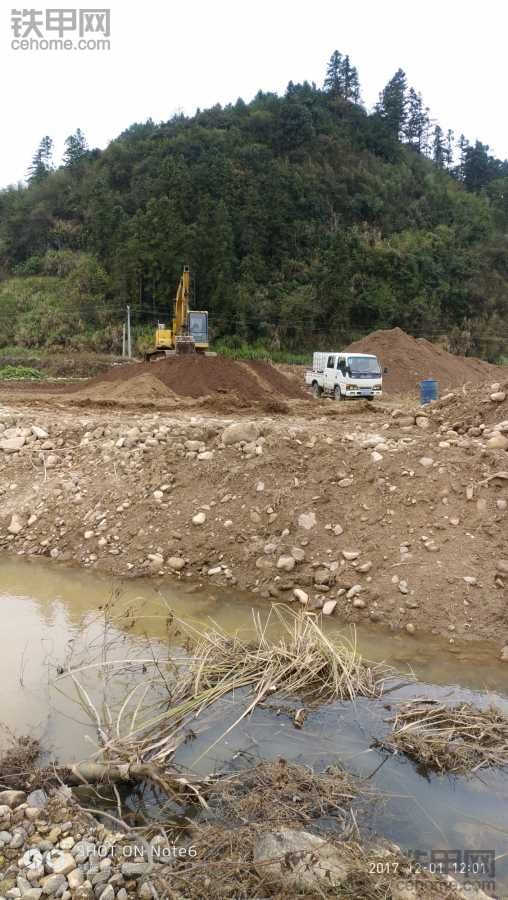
(337, 393)
(316, 390)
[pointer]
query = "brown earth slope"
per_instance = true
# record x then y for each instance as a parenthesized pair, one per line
(396, 516)
(196, 376)
(410, 360)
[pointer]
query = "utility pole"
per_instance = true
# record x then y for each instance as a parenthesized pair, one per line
(123, 340)
(129, 344)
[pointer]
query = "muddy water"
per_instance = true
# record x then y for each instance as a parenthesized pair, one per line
(51, 615)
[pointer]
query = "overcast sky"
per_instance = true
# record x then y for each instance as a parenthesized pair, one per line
(168, 56)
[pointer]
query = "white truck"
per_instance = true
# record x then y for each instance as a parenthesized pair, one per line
(346, 376)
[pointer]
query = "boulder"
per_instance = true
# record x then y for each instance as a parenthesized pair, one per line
(286, 563)
(39, 433)
(307, 520)
(12, 445)
(240, 431)
(322, 575)
(37, 799)
(59, 862)
(329, 607)
(53, 884)
(299, 860)
(498, 396)
(498, 442)
(16, 524)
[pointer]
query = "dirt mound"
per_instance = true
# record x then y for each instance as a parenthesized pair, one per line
(472, 408)
(192, 377)
(410, 360)
(140, 387)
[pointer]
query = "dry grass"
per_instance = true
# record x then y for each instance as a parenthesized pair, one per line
(457, 739)
(17, 762)
(304, 662)
(279, 796)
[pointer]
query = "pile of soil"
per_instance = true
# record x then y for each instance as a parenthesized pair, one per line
(193, 377)
(472, 407)
(411, 360)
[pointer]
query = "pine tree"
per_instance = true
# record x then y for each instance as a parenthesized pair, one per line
(392, 104)
(478, 167)
(42, 161)
(462, 147)
(349, 81)
(449, 149)
(333, 81)
(342, 78)
(76, 148)
(417, 123)
(438, 147)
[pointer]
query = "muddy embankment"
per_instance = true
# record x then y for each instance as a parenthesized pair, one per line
(388, 513)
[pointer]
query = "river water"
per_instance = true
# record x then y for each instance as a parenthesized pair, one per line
(50, 616)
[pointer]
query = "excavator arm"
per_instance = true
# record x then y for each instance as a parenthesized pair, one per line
(182, 304)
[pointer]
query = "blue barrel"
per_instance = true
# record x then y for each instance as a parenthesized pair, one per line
(429, 390)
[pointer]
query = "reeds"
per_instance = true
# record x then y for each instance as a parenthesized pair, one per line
(304, 662)
(457, 739)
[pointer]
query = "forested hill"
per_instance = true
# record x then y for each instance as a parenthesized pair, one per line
(304, 219)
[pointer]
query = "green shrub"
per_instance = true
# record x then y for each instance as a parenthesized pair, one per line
(19, 373)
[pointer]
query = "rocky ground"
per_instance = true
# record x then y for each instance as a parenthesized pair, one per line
(50, 848)
(383, 512)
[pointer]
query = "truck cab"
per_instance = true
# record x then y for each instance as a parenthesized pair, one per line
(346, 376)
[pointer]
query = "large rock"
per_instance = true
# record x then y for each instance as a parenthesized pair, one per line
(37, 799)
(498, 442)
(53, 884)
(498, 396)
(240, 431)
(12, 445)
(307, 520)
(39, 433)
(299, 860)
(16, 524)
(59, 862)
(286, 563)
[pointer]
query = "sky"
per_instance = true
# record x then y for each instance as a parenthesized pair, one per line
(167, 57)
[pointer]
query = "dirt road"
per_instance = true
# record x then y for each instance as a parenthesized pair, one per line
(381, 512)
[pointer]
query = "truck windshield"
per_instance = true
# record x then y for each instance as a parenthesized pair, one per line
(364, 365)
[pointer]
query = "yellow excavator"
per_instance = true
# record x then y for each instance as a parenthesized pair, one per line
(189, 331)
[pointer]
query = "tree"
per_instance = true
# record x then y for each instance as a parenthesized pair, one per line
(448, 152)
(342, 78)
(439, 147)
(42, 161)
(333, 80)
(417, 122)
(478, 166)
(462, 147)
(76, 148)
(350, 82)
(392, 104)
